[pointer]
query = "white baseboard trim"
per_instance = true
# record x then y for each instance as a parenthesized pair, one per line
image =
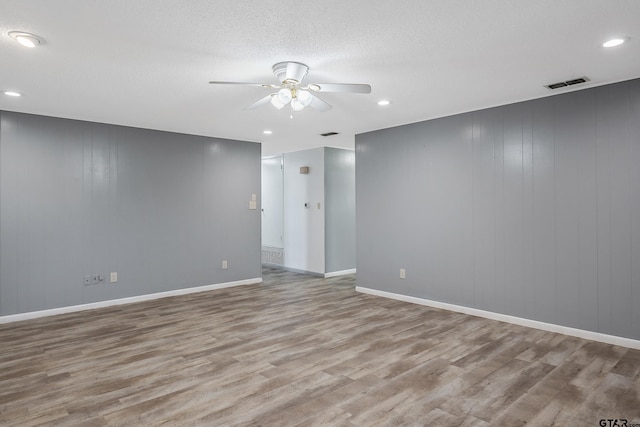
(339, 273)
(293, 270)
(549, 327)
(309, 273)
(109, 303)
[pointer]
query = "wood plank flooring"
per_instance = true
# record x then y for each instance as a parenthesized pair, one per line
(299, 350)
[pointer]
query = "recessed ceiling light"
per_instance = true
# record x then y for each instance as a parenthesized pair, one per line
(12, 93)
(613, 42)
(25, 39)
(267, 132)
(384, 102)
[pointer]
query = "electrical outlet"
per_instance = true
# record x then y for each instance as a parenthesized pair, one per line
(95, 279)
(403, 274)
(224, 264)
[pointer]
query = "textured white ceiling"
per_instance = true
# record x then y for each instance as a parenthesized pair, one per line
(147, 63)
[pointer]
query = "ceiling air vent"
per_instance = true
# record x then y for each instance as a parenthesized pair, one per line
(567, 83)
(329, 134)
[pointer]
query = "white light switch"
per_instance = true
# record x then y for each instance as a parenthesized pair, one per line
(224, 264)
(113, 277)
(253, 197)
(403, 274)
(253, 205)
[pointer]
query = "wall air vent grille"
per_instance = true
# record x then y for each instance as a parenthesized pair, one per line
(329, 134)
(567, 83)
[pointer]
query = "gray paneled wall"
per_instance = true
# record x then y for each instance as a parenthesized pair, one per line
(161, 209)
(530, 209)
(340, 209)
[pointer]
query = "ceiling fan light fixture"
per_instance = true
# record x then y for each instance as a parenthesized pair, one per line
(284, 96)
(296, 105)
(25, 39)
(314, 87)
(276, 102)
(304, 97)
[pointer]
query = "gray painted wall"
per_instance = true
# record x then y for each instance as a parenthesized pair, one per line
(340, 209)
(162, 209)
(530, 209)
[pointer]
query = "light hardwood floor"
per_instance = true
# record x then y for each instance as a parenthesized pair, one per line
(299, 350)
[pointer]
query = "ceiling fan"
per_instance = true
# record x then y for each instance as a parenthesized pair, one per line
(291, 91)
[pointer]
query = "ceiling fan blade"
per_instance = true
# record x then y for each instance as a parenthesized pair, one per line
(259, 103)
(340, 87)
(318, 104)
(267, 85)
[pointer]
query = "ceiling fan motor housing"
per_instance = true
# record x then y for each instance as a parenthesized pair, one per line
(290, 72)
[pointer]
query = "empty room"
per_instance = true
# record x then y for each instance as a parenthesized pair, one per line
(299, 213)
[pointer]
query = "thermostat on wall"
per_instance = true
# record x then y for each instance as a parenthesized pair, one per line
(304, 170)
